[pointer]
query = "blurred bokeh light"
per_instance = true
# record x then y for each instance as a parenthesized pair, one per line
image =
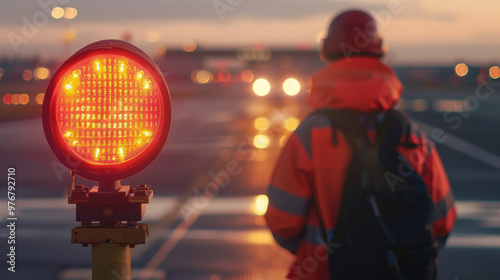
(261, 87)
(461, 69)
(494, 72)
(189, 46)
(261, 141)
(291, 87)
(261, 123)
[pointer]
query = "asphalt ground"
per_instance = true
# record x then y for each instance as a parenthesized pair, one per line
(224, 236)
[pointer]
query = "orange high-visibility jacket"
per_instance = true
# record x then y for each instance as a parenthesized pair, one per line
(309, 160)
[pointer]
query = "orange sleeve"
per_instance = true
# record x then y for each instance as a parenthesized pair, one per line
(289, 194)
(435, 178)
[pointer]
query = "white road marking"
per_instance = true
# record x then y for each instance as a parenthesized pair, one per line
(182, 229)
(465, 147)
(484, 241)
(485, 213)
(155, 210)
(478, 209)
(177, 234)
(260, 237)
(449, 105)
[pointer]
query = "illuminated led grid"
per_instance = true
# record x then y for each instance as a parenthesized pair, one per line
(108, 109)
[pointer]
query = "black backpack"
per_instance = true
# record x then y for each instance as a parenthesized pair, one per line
(384, 226)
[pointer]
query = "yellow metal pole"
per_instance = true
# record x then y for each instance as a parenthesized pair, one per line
(111, 261)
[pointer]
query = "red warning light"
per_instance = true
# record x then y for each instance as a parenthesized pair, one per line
(7, 99)
(106, 112)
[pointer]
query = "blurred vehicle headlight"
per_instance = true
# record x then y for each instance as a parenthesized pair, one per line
(261, 141)
(291, 123)
(261, 204)
(261, 87)
(291, 87)
(261, 123)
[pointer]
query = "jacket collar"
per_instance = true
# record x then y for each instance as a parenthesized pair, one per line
(360, 83)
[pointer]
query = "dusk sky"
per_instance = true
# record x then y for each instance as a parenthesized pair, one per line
(415, 31)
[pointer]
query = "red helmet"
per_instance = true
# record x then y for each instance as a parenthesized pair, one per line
(352, 32)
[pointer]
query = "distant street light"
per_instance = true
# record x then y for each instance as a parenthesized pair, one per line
(66, 12)
(70, 13)
(57, 12)
(461, 69)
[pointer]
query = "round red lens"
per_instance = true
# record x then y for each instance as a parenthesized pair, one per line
(108, 109)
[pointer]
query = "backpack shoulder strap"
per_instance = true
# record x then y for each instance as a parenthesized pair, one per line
(364, 154)
(348, 122)
(394, 126)
(389, 137)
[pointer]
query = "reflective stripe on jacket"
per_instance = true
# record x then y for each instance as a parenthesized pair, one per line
(310, 160)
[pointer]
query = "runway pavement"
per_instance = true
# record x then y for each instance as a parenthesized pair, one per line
(225, 237)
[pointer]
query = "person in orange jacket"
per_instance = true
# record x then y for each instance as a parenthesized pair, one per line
(356, 79)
